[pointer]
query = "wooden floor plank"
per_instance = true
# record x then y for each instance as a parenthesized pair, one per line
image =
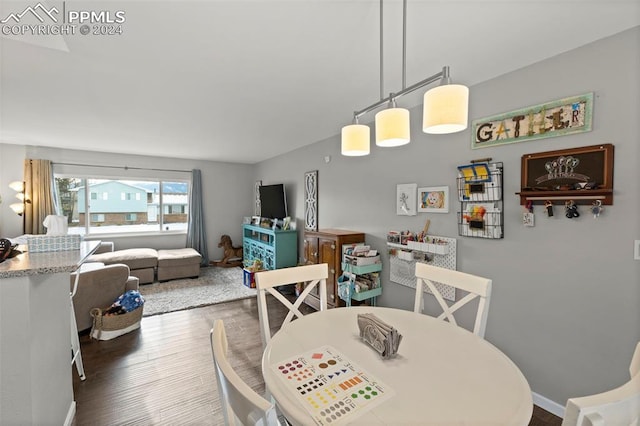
(162, 374)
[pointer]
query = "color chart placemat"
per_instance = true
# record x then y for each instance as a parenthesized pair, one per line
(331, 388)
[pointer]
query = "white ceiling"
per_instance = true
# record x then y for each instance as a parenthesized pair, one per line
(244, 81)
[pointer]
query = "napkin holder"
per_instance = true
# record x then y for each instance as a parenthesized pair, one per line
(379, 335)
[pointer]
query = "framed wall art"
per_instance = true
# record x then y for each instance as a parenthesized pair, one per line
(433, 199)
(406, 199)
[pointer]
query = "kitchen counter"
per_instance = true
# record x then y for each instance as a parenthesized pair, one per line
(36, 386)
(46, 262)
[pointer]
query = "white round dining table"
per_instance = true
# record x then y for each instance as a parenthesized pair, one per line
(441, 375)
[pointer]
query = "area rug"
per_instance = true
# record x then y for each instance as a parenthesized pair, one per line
(215, 285)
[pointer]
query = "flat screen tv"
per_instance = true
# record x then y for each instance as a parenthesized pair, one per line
(273, 201)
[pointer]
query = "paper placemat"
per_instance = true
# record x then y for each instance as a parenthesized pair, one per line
(331, 388)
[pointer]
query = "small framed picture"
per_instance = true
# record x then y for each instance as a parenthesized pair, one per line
(406, 199)
(433, 199)
(255, 220)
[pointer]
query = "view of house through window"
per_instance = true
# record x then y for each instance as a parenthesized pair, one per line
(95, 206)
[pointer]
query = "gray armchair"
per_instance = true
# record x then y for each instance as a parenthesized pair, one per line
(99, 288)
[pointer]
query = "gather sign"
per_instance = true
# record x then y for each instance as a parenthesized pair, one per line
(557, 118)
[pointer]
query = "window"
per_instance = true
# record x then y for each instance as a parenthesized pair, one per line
(174, 209)
(97, 217)
(122, 206)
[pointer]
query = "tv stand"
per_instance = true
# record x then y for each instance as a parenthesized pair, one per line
(274, 248)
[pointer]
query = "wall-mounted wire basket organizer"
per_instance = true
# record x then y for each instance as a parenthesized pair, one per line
(480, 192)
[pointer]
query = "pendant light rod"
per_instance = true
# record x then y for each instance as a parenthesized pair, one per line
(442, 75)
(381, 51)
(404, 44)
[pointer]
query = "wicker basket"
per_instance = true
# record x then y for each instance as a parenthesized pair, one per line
(112, 326)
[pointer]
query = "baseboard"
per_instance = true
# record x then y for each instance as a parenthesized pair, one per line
(70, 414)
(549, 405)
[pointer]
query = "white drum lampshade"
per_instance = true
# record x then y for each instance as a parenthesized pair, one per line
(392, 127)
(446, 109)
(355, 140)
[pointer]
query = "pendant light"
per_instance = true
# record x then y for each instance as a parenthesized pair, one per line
(445, 110)
(392, 126)
(355, 139)
(446, 107)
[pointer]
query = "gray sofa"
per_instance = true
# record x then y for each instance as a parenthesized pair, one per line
(143, 262)
(99, 287)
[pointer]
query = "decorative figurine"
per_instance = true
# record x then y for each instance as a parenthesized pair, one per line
(230, 252)
(571, 210)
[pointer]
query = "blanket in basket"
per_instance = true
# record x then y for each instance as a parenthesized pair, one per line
(121, 317)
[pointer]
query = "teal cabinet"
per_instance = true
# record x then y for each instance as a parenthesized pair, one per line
(274, 248)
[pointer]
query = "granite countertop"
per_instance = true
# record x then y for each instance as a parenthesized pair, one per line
(51, 262)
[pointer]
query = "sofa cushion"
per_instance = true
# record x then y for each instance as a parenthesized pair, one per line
(178, 257)
(144, 275)
(136, 258)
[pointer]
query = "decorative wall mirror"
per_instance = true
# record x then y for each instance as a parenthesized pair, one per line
(256, 194)
(311, 201)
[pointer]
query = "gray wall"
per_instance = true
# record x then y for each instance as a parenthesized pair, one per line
(11, 157)
(226, 190)
(565, 293)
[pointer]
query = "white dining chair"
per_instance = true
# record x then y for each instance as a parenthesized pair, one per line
(267, 281)
(619, 406)
(476, 287)
(241, 405)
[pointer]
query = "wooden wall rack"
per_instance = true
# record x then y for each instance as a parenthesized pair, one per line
(583, 175)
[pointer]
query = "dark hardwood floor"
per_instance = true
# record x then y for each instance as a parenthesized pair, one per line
(162, 374)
